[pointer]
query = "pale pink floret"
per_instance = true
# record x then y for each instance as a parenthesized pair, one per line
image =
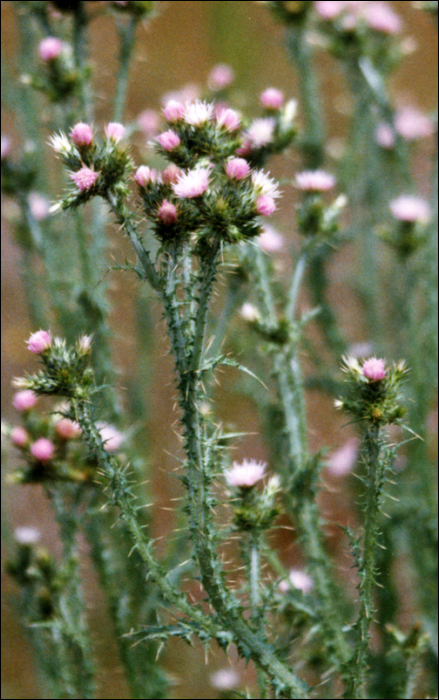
(39, 206)
(245, 475)
(115, 131)
(272, 98)
(19, 436)
(411, 209)
(374, 369)
(198, 113)
(315, 181)
(263, 184)
(261, 132)
(111, 437)
(228, 119)
(169, 140)
(412, 124)
(149, 122)
(225, 679)
(380, 17)
(82, 134)
(145, 176)
(167, 213)
(6, 146)
(173, 111)
(385, 136)
(297, 579)
(329, 9)
(270, 241)
(265, 205)
(26, 535)
(43, 450)
(220, 77)
(343, 460)
(68, 429)
(237, 169)
(85, 344)
(39, 342)
(171, 174)
(24, 400)
(50, 48)
(192, 184)
(85, 178)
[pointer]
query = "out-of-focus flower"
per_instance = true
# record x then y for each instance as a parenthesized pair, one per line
(67, 429)
(39, 206)
(169, 140)
(261, 132)
(19, 436)
(26, 535)
(270, 241)
(225, 679)
(411, 209)
(249, 312)
(39, 342)
(237, 168)
(84, 178)
(342, 460)
(43, 450)
(173, 111)
(84, 344)
(412, 124)
(6, 146)
(297, 579)
(167, 213)
(171, 174)
(385, 136)
(24, 400)
(111, 436)
(228, 119)
(115, 131)
(265, 205)
(246, 474)
(149, 122)
(380, 17)
(145, 176)
(329, 9)
(272, 98)
(82, 134)
(192, 184)
(220, 77)
(315, 181)
(374, 369)
(198, 113)
(50, 48)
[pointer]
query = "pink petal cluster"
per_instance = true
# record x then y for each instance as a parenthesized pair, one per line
(169, 140)
(24, 400)
(225, 679)
(385, 136)
(43, 450)
(411, 209)
(315, 181)
(82, 134)
(192, 184)
(228, 119)
(198, 113)
(261, 132)
(39, 206)
(171, 174)
(237, 169)
(39, 342)
(272, 98)
(270, 241)
(245, 475)
(19, 436)
(115, 131)
(145, 176)
(149, 122)
(412, 124)
(342, 460)
(67, 429)
(265, 205)
(173, 111)
(167, 213)
(5, 146)
(50, 48)
(298, 579)
(220, 77)
(374, 369)
(380, 17)
(111, 437)
(26, 535)
(85, 178)
(329, 9)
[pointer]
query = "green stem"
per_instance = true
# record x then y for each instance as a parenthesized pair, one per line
(80, 50)
(127, 33)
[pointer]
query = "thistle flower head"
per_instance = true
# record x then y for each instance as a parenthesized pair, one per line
(260, 132)
(82, 134)
(315, 181)
(43, 450)
(111, 436)
(220, 77)
(67, 429)
(198, 113)
(39, 206)
(246, 474)
(264, 185)
(39, 342)
(381, 18)
(50, 48)
(265, 205)
(192, 184)
(26, 535)
(60, 143)
(270, 241)
(149, 122)
(228, 119)
(85, 178)
(411, 209)
(225, 679)
(171, 174)
(173, 111)
(237, 169)
(167, 213)
(272, 98)
(343, 459)
(115, 131)
(24, 400)
(374, 369)
(250, 313)
(19, 436)
(412, 124)
(145, 176)
(297, 579)
(169, 140)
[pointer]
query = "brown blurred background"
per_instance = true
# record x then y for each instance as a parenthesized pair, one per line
(179, 46)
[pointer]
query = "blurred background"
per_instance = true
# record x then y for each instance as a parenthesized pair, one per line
(177, 48)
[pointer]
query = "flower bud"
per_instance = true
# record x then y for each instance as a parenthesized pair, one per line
(39, 342)
(82, 135)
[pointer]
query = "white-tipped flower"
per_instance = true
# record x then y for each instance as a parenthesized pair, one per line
(198, 113)
(60, 143)
(246, 474)
(261, 132)
(265, 185)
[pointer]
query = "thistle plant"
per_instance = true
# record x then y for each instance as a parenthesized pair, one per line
(189, 213)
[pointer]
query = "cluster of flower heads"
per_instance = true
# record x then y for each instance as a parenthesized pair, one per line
(373, 393)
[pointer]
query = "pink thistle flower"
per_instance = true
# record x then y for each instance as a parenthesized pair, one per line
(39, 206)
(245, 475)
(237, 169)
(19, 436)
(171, 174)
(220, 77)
(26, 535)
(188, 93)
(145, 176)
(374, 369)
(315, 181)
(225, 679)
(245, 149)
(411, 209)
(385, 136)
(412, 124)
(342, 460)
(82, 135)
(329, 9)
(43, 450)
(264, 184)
(85, 178)
(149, 122)
(198, 113)
(6, 146)
(115, 131)
(39, 342)
(380, 17)
(174, 111)
(261, 132)
(272, 98)
(228, 119)
(67, 429)
(192, 184)
(24, 400)
(84, 344)
(50, 48)
(270, 241)
(111, 437)
(265, 205)
(297, 579)
(167, 213)
(169, 140)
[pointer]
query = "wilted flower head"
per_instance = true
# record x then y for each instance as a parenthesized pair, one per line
(374, 369)
(24, 400)
(50, 48)
(272, 98)
(115, 131)
(261, 132)
(43, 450)
(192, 184)
(220, 77)
(246, 474)
(84, 178)
(411, 209)
(315, 181)
(198, 113)
(82, 134)
(39, 342)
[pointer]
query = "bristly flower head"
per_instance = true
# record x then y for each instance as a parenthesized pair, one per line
(272, 98)
(19, 436)
(85, 178)
(374, 369)
(315, 181)
(265, 185)
(167, 213)
(115, 131)
(43, 450)
(82, 134)
(192, 184)
(169, 140)
(173, 111)
(111, 437)
(24, 400)
(237, 168)
(246, 474)
(198, 113)
(39, 342)
(228, 119)
(145, 176)
(261, 132)
(411, 209)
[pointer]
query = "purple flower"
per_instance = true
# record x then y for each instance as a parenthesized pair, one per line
(411, 209)
(220, 77)
(261, 132)
(111, 436)
(24, 400)
(115, 131)
(265, 205)
(6, 146)
(19, 436)
(173, 111)
(67, 429)
(145, 176)
(315, 181)
(167, 213)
